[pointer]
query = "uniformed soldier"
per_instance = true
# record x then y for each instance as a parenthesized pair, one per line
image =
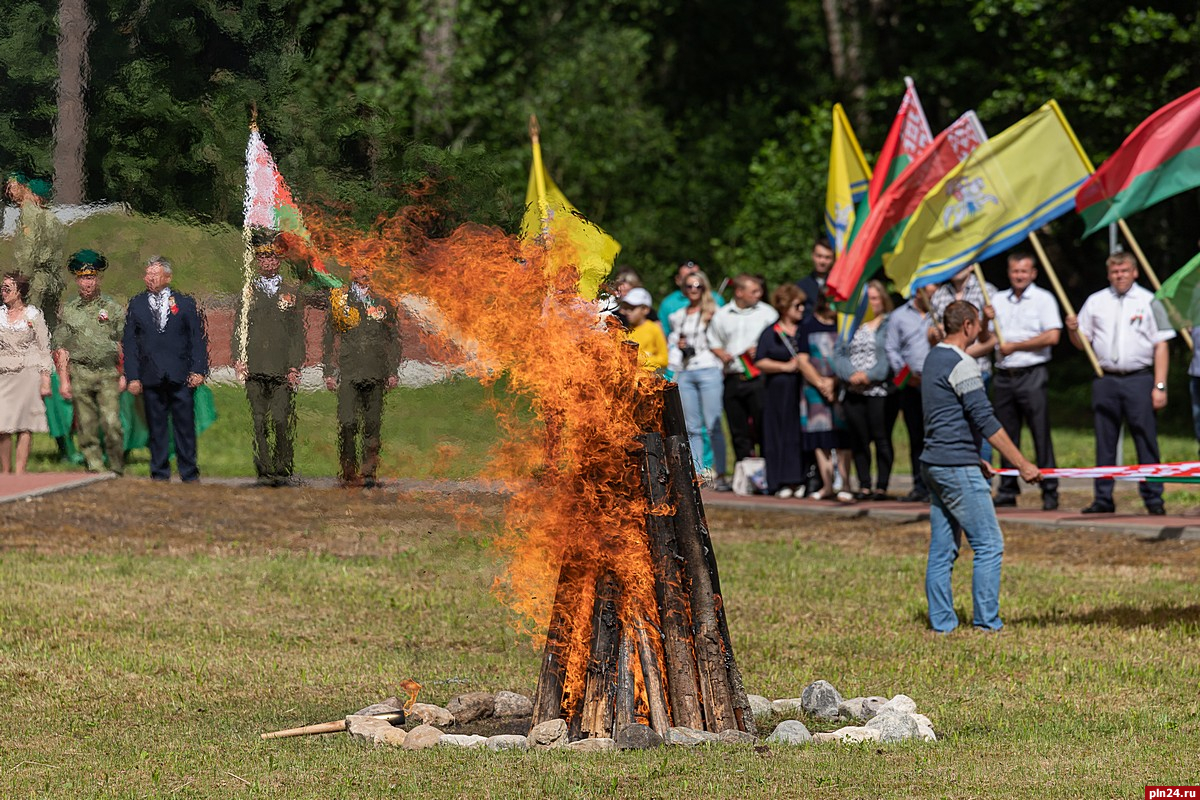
(367, 356)
(38, 244)
(87, 351)
(268, 352)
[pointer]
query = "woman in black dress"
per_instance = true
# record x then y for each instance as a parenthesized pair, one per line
(776, 356)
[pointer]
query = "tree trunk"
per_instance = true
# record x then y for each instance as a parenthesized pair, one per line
(70, 128)
(438, 48)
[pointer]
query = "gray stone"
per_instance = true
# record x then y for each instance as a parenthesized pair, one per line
(511, 704)
(462, 740)
(549, 734)
(902, 703)
(860, 708)
(422, 737)
(894, 725)
(849, 735)
(593, 745)
(759, 705)
(821, 700)
(395, 737)
(788, 706)
(378, 708)
(373, 730)
(689, 737)
(732, 736)
(790, 731)
(472, 706)
(427, 714)
(507, 741)
(638, 737)
(925, 728)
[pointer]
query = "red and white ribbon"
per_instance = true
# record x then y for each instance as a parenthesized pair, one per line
(1134, 472)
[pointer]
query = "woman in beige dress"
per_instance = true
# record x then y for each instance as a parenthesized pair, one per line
(24, 372)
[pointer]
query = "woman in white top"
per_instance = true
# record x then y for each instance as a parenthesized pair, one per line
(697, 370)
(24, 372)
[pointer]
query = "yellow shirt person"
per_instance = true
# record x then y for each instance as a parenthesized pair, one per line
(652, 345)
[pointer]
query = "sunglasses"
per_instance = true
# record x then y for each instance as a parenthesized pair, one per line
(693, 286)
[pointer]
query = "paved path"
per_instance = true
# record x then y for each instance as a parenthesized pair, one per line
(32, 484)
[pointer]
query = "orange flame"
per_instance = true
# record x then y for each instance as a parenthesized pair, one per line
(584, 515)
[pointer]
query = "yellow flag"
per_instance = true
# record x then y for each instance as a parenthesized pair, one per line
(989, 203)
(849, 176)
(570, 239)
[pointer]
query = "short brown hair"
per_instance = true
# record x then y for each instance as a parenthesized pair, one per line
(783, 297)
(1120, 258)
(958, 314)
(22, 284)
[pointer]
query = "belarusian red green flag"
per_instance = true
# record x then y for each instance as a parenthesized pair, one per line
(1161, 158)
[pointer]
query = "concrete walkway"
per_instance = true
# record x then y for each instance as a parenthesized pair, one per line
(33, 484)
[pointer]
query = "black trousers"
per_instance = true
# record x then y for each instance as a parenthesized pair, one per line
(1117, 398)
(1021, 397)
(174, 401)
(360, 407)
(914, 420)
(273, 412)
(867, 418)
(743, 401)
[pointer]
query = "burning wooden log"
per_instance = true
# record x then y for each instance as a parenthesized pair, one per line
(667, 659)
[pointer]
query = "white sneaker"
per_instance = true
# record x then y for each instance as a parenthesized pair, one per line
(799, 492)
(845, 497)
(784, 493)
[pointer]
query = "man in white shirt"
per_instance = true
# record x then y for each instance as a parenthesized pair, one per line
(732, 336)
(1027, 318)
(1129, 331)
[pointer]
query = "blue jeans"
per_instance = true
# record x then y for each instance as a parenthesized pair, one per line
(702, 392)
(961, 502)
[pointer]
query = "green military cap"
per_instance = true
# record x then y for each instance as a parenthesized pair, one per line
(87, 262)
(18, 176)
(42, 188)
(263, 242)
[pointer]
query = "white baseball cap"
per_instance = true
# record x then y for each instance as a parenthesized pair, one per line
(637, 297)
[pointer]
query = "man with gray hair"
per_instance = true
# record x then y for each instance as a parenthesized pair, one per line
(166, 358)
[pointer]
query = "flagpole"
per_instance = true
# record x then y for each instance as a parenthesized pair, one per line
(1141, 257)
(1062, 298)
(539, 176)
(247, 262)
(987, 301)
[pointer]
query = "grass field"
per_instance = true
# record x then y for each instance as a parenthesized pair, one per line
(148, 635)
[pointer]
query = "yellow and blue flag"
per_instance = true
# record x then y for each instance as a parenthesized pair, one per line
(571, 239)
(1008, 186)
(849, 177)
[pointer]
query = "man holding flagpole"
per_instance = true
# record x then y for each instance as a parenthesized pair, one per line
(1129, 331)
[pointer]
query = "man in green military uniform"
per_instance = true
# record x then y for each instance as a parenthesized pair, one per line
(87, 351)
(38, 244)
(268, 352)
(363, 325)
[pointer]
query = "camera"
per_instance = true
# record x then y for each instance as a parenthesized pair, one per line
(688, 351)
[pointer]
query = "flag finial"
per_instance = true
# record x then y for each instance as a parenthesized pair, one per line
(534, 130)
(253, 116)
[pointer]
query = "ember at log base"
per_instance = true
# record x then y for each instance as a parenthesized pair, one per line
(682, 660)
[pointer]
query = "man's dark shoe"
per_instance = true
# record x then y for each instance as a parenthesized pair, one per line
(1098, 508)
(1156, 511)
(723, 485)
(915, 497)
(880, 495)
(1050, 502)
(1004, 501)
(369, 482)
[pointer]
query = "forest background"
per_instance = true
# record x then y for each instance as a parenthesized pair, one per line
(689, 130)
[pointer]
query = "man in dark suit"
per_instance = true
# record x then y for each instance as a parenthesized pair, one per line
(367, 357)
(166, 358)
(268, 352)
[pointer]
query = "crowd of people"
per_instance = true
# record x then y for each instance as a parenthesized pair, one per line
(93, 348)
(819, 404)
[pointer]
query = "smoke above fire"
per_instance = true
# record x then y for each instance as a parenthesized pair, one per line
(574, 496)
